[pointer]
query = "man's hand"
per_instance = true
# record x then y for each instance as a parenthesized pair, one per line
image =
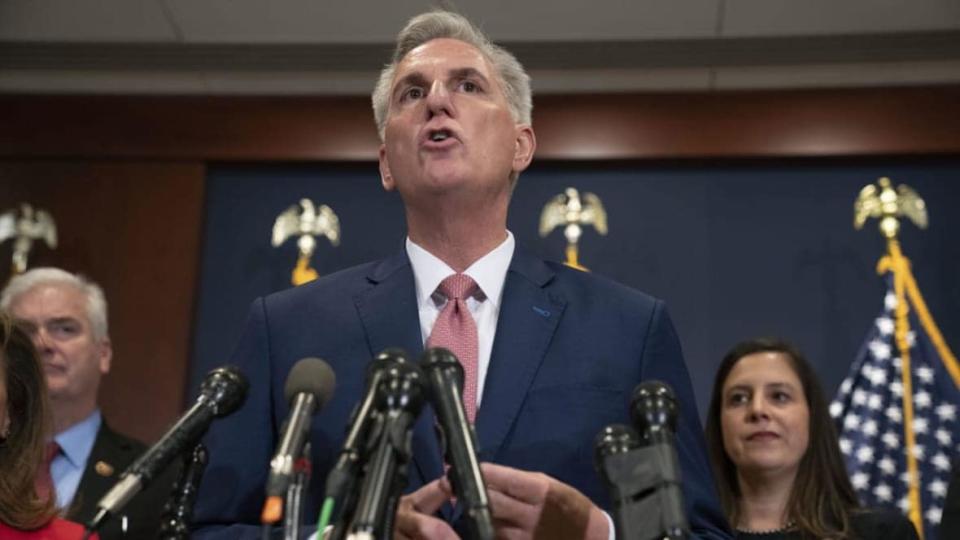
(528, 505)
(415, 511)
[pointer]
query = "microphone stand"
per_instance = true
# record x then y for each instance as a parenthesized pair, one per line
(383, 483)
(293, 517)
(400, 400)
(178, 512)
(645, 492)
(352, 483)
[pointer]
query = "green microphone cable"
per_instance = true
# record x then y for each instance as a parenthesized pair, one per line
(325, 511)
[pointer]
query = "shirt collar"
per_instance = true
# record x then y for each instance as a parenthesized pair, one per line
(76, 442)
(489, 271)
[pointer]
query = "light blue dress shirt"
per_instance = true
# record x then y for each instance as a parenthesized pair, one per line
(67, 468)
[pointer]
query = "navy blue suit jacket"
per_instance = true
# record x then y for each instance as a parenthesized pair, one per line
(569, 349)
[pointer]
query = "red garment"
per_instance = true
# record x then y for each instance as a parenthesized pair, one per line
(43, 483)
(58, 529)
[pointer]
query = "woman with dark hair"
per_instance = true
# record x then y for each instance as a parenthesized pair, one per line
(25, 514)
(775, 455)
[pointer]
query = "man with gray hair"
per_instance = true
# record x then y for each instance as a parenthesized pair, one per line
(550, 354)
(66, 316)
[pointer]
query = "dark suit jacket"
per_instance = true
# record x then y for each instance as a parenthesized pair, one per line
(112, 453)
(950, 522)
(568, 351)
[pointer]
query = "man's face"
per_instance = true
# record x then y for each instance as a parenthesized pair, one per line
(73, 359)
(449, 127)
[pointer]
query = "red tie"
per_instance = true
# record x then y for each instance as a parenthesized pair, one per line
(44, 482)
(456, 330)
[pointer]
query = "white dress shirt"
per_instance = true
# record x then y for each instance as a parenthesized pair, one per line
(489, 272)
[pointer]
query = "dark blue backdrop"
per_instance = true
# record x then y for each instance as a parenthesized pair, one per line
(736, 250)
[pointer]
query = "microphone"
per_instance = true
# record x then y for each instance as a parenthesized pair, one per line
(640, 470)
(398, 403)
(222, 392)
(339, 492)
(613, 440)
(653, 409)
(444, 383)
(309, 386)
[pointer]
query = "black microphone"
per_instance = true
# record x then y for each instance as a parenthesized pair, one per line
(444, 383)
(615, 439)
(309, 386)
(340, 479)
(398, 403)
(654, 411)
(222, 392)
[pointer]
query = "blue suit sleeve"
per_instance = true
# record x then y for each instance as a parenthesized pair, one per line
(663, 360)
(240, 445)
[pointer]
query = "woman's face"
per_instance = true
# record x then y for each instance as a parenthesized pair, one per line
(764, 415)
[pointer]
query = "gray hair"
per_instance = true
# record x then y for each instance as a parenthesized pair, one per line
(96, 302)
(444, 24)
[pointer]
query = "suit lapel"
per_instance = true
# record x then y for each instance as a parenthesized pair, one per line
(529, 315)
(388, 311)
(109, 457)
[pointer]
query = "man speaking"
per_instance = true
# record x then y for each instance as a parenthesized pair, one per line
(550, 353)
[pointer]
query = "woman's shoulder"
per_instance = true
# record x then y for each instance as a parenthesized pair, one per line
(873, 523)
(55, 530)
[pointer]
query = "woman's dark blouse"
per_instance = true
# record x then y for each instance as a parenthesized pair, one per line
(866, 525)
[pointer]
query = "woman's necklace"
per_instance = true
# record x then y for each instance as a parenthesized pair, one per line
(789, 525)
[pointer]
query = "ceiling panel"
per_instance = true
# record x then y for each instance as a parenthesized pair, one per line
(743, 18)
(839, 75)
(71, 20)
(350, 21)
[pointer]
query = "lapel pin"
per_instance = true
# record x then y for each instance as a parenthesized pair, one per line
(542, 312)
(103, 468)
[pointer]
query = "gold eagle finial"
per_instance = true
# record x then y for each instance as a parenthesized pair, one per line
(307, 221)
(31, 224)
(882, 201)
(568, 210)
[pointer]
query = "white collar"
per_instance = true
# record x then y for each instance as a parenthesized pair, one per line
(489, 271)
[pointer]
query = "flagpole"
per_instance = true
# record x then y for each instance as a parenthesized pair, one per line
(916, 390)
(895, 262)
(916, 300)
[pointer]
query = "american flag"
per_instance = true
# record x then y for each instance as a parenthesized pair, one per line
(869, 413)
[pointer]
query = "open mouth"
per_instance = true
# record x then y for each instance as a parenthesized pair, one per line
(440, 135)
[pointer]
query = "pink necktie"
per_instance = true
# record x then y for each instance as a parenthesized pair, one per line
(44, 482)
(456, 330)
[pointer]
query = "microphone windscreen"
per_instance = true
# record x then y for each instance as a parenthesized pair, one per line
(653, 407)
(311, 376)
(441, 358)
(226, 388)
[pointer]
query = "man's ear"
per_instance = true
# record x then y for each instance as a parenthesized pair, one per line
(526, 145)
(106, 355)
(386, 179)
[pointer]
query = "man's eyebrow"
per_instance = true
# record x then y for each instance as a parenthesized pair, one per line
(468, 72)
(415, 78)
(62, 320)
